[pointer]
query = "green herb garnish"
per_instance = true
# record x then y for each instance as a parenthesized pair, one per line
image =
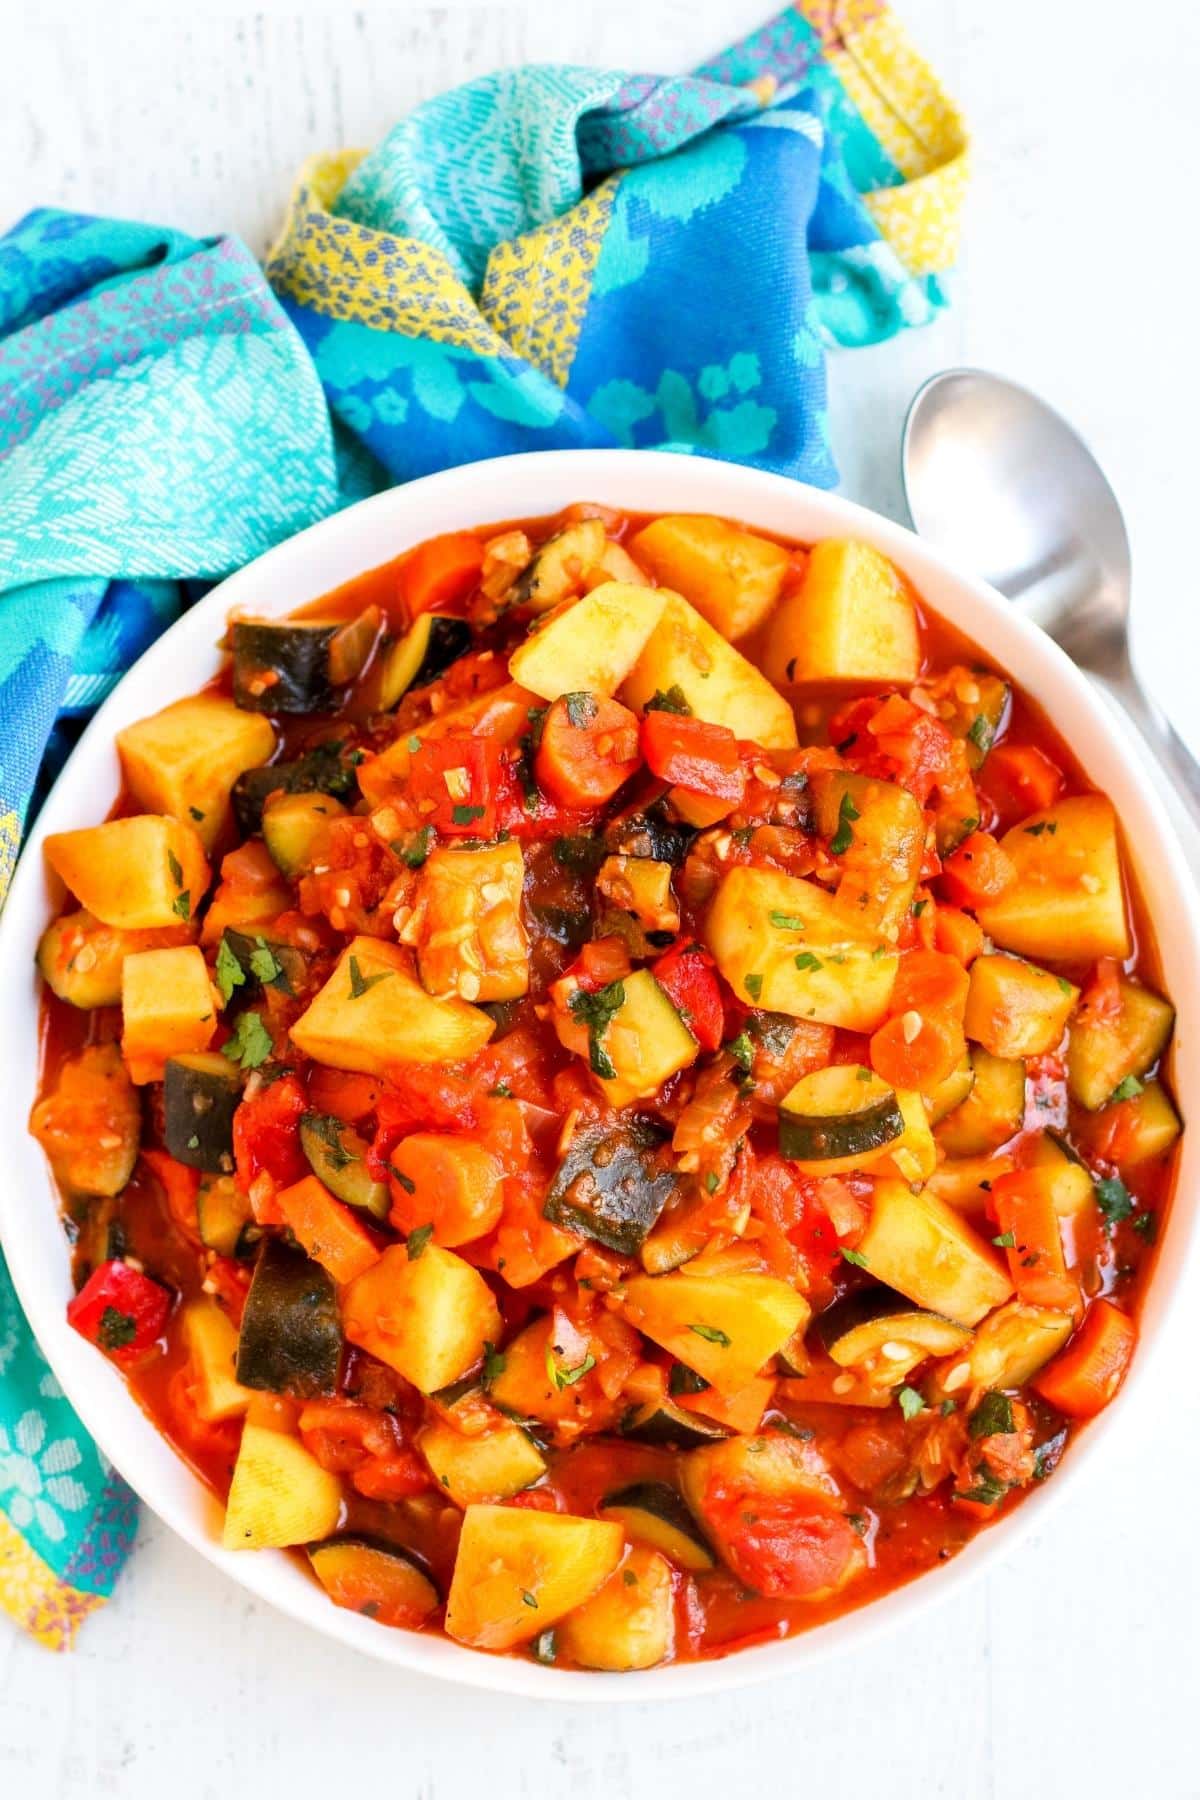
(856, 1257)
(1114, 1200)
(911, 1402)
(360, 983)
(1129, 1089)
(116, 1330)
(417, 1240)
(806, 960)
(753, 985)
(596, 1011)
(712, 1335)
(993, 1417)
(228, 970)
(843, 837)
(581, 709)
(673, 700)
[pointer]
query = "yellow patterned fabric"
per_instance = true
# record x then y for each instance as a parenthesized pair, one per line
(49, 1608)
(537, 287)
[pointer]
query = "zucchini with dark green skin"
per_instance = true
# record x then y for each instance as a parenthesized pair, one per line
(653, 1513)
(293, 826)
(200, 1096)
(425, 650)
(662, 1422)
(556, 566)
(612, 1184)
(337, 1156)
(291, 1336)
(866, 1330)
(683, 1380)
(836, 1112)
(224, 1218)
(328, 768)
(378, 1579)
(282, 665)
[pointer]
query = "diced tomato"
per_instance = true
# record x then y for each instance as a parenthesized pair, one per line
(792, 1202)
(454, 782)
(266, 1134)
(693, 754)
(121, 1310)
(1019, 779)
(792, 1545)
(441, 573)
(687, 972)
(588, 749)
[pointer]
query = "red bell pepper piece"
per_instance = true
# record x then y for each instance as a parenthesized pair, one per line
(686, 972)
(693, 754)
(121, 1310)
(266, 1134)
(454, 782)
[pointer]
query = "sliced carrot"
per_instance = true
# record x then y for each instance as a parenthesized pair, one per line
(1083, 1378)
(978, 871)
(328, 1230)
(1023, 1202)
(588, 749)
(957, 934)
(448, 1182)
(1020, 779)
(441, 573)
(928, 981)
(916, 1050)
(742, 1412)
(181, 1187)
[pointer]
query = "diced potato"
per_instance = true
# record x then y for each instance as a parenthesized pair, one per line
(561, 565)
(385, 1016)
(725, 1327)
(1149, 1127)
(851, 619)
(885, 829)
(525, 1386)
(168, 1008)
(591, 645)
(279, 1495)
(211, 1341)
(1012, 1344)
(731, 576)
(139, 874)
(91, 1123)
(518, 1572)
(1104, 1050)
(786, 944)
(490, 1466)
(1067, 903)
(1015, 1009)
(925, 1250)
(185, 759)
(646, 1042)
(965, 1183)
(718, 683)
(993, 1110)
(427, 1317)
(467, 926)
(913, 1155)
(81, 959)
(630, 1622)
(1073, 1191)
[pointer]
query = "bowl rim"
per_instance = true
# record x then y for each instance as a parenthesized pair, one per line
(313, 563)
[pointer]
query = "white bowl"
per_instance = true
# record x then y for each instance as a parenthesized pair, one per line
(309, 566)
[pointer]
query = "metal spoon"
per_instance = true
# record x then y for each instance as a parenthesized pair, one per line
(1006, 487)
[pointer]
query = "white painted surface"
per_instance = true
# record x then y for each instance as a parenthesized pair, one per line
(1074, 1668)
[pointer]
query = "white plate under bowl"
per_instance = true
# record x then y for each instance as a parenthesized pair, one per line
(309, 566)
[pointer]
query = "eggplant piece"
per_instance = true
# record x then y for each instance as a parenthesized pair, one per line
(291, 1337)
(337, 1156)
(201, 1093)
(611, 1185)
(844, 1111)
(224, 1218)
(649, 830)
(425, 650)
(683, 1380)
(881, 1335)
(653, 1513)
(328, 768)
(662, 1422)
(282, 665)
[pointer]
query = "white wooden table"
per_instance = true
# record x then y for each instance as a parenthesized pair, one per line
(1073, 1668)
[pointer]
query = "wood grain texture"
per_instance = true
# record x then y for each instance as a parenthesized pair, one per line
(1072, 1668)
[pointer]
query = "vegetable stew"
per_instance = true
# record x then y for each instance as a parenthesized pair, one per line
(606, 1082)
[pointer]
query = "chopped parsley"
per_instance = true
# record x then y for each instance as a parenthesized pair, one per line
(196, 813)
(176, 868)
(918, 907)
(843, 837)
(862, 1074)
(266, 967)
(581, 709)
(501, 1091)
(1114, 1200)
(413, 850)
(494, 1364)
(629, 1577)
(786, 921)
(993, 1417)
(753, 985)
(406, 1181)
(360, 983)
(806, 960)
(1042, 825)
(712, 1335)
(742, 1051)
(986, 1492)
(116, 1330)
(856, 1257)
(596, 1011)
(672, 700)
(182, 904)
(466, 815)
(251, 1044)
(1146, 1226)
(528, 1598)
(911, 1402)
(417, 1240)
(1129, 1089)
(712, 1182)
(1064, 984)
(1006, 1241)
(564, 1378)
(229, 971)
(981, 733)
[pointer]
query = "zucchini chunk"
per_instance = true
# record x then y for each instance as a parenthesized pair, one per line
(185, 760)
(838, 1118)
(684, 651)
(629, 1623)
(1073, 1190)
(1067, 903)
(1014, 1009)
(1150, 1126)
(280, 1494)
(211, 1341)
(467, 923)
(923, 1248)
(139, 874)
(291, 1338)
(589, 646)
(965, 1183)
(851, 619)
(325, 769)
(732, 577)
(1104, 1051)
(297, 665)
(785, 944)
(878, 1335)
(993, 1111)
(662, 1422)
(491, 1466)
(372, 1012)
(337, 1156)
(725, 1327)
(90, 1125)
(376, 1579)
(952, 1091)
(80, 959)
(427, 648)
(643, 1043)
(1013, 1343)
(294, 827)
(612, 1184)
(557, 568)
(973, 705)
(201, 1093)
(224, 1218)
(880, 831)
(427, 1316)
(168, 1008)
(653, 1513)
(528, 1388)
(518, 1572)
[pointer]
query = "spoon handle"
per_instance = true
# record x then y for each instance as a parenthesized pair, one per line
(1161, 736)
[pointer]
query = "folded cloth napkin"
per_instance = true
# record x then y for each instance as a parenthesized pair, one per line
(546, 257)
